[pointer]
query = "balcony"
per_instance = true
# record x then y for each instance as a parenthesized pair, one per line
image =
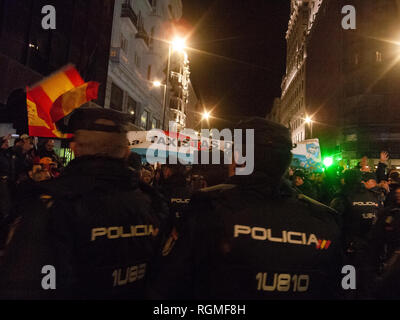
(142, 34)
(127, 12)
(117, 55)
(176, 103)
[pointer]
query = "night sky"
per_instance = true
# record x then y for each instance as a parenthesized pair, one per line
(245, 44)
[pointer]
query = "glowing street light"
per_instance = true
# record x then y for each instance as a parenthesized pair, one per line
(310, 121)
(178, 44)
(206, 115)
(157, 84)
(328, 161)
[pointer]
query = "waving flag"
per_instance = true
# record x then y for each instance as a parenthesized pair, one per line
(54, 98)
(72, 99)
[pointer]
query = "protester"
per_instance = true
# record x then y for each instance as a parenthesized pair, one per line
(147, 174)
(5, 159)
(328, 185)
(40, 172)
(234, 247)
(46, 150)
(21, 159)
(208, 175)
(134, 161)
(301, 183)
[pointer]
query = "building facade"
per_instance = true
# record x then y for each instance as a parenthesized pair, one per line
(275, 113)
(193, 109)
(140, 50)
(346, 80)
(28, 52)
(293, 83)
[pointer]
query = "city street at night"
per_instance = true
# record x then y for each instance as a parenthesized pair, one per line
(200, 158)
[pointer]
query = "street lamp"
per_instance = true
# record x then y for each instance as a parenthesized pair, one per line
(177, 44)
(206, 115)
(309, 121)
(157, 84)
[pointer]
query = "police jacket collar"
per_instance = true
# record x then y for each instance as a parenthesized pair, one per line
(95, 165)
(263, 184)
(175, 180)
(89, 172)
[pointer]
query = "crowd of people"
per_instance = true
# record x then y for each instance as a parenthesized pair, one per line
(367, 204)
(115, 227)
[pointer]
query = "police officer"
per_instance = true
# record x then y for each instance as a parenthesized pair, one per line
(247, 240)
(174, 187)
(94, 225)
(359, 205)
(384, 253)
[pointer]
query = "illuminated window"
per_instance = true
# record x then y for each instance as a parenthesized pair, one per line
(124, 44)
(378, 56)
(154, 123)
(131, 107)
(356, 59)
(143, 119)
(137, 60)
(117, 95)
(154, 5)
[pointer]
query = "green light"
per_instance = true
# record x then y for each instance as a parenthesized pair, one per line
(328, 161)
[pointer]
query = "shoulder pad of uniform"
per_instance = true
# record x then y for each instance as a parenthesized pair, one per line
(316, 203)
(45, 197)
(219, 187)
(47, 200)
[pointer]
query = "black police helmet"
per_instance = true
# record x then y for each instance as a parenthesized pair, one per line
(272, 145)
(88, 118)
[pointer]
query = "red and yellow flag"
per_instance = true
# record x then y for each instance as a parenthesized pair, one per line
(54, 98)
(69, 101)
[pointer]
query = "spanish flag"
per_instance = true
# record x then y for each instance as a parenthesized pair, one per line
(54, 98)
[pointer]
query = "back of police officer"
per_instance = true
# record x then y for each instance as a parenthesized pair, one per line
(100, 230)
(384, 253)
(245, 240)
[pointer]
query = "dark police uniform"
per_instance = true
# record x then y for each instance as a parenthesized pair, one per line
(245, 240)
(384, 254)
(94, 224)
(176, 190)
(359, 211)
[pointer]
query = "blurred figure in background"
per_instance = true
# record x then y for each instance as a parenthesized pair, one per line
(46, 150)
(208, 175)
(301, 183)
(21, 158)
(5, 159)
(329, 186)
(363, 164)
(147, 174)
(174, 187)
